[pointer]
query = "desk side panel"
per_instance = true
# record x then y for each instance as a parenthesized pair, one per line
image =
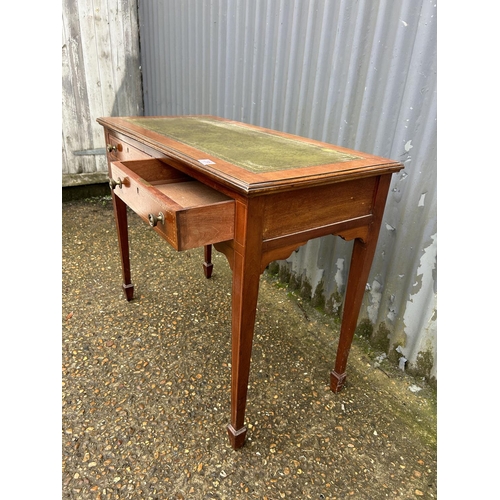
(304, 209)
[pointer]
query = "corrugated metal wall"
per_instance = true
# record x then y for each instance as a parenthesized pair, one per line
(360, 74)
(100, 76)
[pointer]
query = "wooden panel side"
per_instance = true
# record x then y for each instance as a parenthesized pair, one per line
(292, 212)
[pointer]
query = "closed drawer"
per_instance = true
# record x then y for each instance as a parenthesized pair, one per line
(184, 211)
(121, 150)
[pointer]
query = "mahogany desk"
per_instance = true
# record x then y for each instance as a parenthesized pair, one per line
(255, 195)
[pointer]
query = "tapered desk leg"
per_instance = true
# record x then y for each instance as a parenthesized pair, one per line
(120, 209)
(361, 261)
(245, 292)
(362, 256)
(246, 276)
(207, 265)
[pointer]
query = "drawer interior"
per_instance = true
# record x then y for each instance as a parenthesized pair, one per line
(190, 193)
(179, 187)
(154, 171)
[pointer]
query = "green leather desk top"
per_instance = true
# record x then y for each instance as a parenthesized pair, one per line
(254, 150)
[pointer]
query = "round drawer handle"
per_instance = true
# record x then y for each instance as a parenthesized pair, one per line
(113, 183)
(153, 219)
(111, 148)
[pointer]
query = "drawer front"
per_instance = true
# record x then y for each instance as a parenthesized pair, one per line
(208, 220)
(120, 150)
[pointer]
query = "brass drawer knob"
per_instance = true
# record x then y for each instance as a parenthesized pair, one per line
(111, 148)
(113, 183)
(153, 219)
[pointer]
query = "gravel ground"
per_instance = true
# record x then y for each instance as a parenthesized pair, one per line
(146, 386)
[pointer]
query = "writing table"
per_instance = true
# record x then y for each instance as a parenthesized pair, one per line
(255, 195)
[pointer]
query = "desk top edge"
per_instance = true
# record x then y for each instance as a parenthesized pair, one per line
(243, 180)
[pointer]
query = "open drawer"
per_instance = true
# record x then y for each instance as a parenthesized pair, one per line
(184, 211)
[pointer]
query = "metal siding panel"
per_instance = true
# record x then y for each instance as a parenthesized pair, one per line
(359, 74)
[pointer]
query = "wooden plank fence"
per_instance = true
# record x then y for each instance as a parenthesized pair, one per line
(101, 76)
